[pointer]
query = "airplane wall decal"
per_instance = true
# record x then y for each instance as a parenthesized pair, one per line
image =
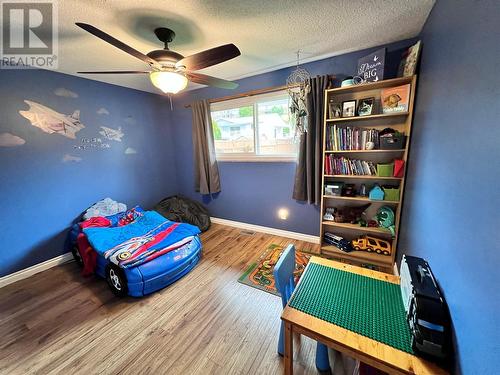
(51, 121)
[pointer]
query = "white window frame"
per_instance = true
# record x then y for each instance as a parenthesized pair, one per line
(252, 101)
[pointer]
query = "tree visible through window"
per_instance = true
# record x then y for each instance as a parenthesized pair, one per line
(253, 127)
(217, 133)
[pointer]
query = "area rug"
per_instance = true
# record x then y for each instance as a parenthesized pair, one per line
(259, 274)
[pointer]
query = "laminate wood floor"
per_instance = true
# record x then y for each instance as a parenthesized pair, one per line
(57, 322)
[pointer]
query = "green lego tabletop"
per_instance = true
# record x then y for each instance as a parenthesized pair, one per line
(367, 306)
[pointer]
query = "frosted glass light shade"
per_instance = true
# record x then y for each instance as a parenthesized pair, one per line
(168, 82)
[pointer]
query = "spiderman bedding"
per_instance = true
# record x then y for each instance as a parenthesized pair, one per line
(147, 237)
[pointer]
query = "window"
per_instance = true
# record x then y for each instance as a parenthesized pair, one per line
(256, 128)
(234, 131)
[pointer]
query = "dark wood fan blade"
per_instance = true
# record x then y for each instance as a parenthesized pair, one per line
(209, 57)
(117, 72)
(211, 81)
(115, 42)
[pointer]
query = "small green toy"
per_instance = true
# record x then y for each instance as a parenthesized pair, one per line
(385, 219)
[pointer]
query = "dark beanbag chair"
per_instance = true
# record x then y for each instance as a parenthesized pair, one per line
(184, 210)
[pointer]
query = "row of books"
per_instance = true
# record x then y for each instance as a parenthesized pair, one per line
(346, 166)
(340, 138)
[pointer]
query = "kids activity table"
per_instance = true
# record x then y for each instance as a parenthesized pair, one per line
(356, 311)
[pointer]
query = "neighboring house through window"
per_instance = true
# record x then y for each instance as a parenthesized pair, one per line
(256, 128)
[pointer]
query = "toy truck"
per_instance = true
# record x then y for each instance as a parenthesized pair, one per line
(372, 244)
(340, 242)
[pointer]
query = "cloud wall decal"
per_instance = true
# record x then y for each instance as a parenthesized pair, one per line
(67, 158)
(102, 111)
(10, 140)
(61, 91)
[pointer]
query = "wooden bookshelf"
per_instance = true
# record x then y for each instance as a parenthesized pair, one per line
(363, 177)
(362, 151)
(356, 227)
(359, 199)
(370, 117)
(400, 121)
(393, 82)
(359, 257)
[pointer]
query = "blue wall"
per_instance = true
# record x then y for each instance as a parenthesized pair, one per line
(451, 204)
(253, 192)
(452, 200)
(41, 193)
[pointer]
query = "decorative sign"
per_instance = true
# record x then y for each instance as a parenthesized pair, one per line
(371, 67)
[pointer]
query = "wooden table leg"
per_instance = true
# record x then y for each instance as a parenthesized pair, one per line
(288, 349)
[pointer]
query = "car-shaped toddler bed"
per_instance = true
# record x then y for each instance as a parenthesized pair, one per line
(137, 257)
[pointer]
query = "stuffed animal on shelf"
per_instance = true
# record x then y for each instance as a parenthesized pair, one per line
(349, 214)
(385, 218)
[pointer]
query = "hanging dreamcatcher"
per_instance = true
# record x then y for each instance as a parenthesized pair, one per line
(298, 87)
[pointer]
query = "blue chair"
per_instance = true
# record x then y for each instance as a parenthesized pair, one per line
(285, 284)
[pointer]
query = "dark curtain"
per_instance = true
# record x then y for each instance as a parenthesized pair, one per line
(206, 170)
(307, 186)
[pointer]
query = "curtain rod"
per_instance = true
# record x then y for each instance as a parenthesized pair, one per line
(254, 92)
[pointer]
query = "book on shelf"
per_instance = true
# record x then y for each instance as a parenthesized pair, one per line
(346, 166)
(347, 138)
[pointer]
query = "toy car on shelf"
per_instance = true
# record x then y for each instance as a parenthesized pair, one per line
(339, 242)
(372, 244)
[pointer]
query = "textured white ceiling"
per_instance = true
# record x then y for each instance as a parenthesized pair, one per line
(267, 32)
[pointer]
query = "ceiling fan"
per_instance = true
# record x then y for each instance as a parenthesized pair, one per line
(169, 70)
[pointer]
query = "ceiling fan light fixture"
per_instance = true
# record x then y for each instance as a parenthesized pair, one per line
(168, 82)
(171, 71)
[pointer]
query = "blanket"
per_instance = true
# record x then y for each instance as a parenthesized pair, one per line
(148, 237)
(104, 207)
(89, 256)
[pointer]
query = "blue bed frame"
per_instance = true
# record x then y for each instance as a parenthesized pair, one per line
(160, 272)
(155, 274)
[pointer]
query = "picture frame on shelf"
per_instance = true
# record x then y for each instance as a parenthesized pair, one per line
(409, 60)
(349, 108)
(334, 110)
(395, 99)
(365, 106)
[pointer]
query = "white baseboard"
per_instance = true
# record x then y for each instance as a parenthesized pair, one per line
(268, 230)
(30, 271)
(61, 259)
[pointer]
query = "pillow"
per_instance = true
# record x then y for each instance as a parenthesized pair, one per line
(130, 216)
(127, 217)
